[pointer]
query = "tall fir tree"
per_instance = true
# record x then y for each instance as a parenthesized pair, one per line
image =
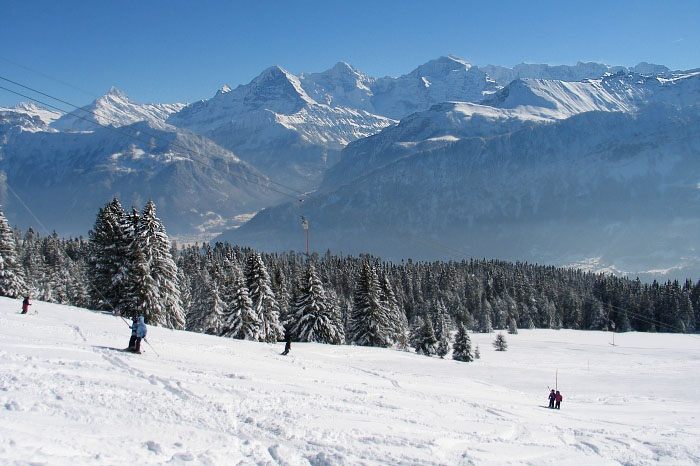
(397, 317)
(156, 248)
(315, 319)
(142, 293)
(369, 323)
(109, 266)
(240, 320)
(264, 303)
(426, 343)
(442, 329)
(462, 347)
(12, 282)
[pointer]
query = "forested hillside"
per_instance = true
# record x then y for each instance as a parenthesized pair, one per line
(129, 266)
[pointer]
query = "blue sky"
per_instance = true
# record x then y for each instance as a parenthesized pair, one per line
(181, 51)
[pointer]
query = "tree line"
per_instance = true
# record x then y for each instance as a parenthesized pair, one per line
(130, 267)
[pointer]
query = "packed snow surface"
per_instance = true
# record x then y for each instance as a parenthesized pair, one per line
(67, 398)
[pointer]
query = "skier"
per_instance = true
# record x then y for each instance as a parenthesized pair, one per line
(558, 399)
(141, 331)
(552, 397)
(25, 305)
(132, 340)
(287, 345)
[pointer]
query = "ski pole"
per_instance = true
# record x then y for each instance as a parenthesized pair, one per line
(151, 346)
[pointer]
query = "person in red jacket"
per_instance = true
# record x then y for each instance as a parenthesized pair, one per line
(25, 305)
(558, 399)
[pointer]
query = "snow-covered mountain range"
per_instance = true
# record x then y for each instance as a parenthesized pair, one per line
(546, 171)
(478, 161)
(274, 124)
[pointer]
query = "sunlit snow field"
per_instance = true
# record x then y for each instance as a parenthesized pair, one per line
(66, 399)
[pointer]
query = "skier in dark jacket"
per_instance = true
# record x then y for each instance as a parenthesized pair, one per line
(552, 397)
(25, 305)
(558, 399)
(287, 344)
(141, 331)
(132, 340)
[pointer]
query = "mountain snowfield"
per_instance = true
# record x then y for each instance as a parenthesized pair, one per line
(67, 397)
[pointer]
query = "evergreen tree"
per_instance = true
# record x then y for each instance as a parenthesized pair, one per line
(442, 329)
(109, 257)
(240, 320)
(427, 342)
(462, 347)
(369, 324)
(500, 342)
(12, 282)
(264, 302)
(203, 288)
(314, 317)
(512, 327)
(396, 316)
(142, 294)
(415, 333)
(155, 246)
(485, 316)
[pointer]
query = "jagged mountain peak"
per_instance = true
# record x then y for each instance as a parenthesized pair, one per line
(343, 67)
(274, 74)
(224, 89)
(441, 66)
(114, 109)
(116, 92)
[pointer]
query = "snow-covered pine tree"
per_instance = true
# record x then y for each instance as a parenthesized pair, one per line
(315, 319)
(485, 316)
(11, 277)
(57, 279)
(264, 302)
(240, 320)
(155, 245)
(141, 290)
(185, 287)
(427, 342)
(414, 336)
(369, 322)
(462, 347)
(32, 261)
(500, 342)
(512, 327)
(397, 317)
(442, 329)
(109, 243)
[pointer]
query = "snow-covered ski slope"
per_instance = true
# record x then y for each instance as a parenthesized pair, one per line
(66, 399)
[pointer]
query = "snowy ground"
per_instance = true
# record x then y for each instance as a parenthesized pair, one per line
(66, 399)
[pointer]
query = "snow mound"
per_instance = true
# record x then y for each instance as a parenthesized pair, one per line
(68, 397)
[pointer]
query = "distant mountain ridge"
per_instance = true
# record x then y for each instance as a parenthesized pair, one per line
(406, 150)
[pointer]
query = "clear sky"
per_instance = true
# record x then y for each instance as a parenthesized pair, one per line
(182, 51)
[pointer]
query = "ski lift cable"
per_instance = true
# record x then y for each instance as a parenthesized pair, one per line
(154, 136)
(52, 78)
